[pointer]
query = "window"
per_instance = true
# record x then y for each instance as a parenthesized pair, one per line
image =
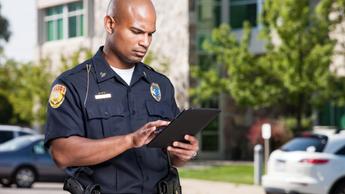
(317, 143)
(39, 148)
(14, 144)
(209, 16)
(341, 151)
(64, 21)
(209, 13)
(5, 136)
(54, 23)
(23, 133)
(210, 135)
(75, 19)
(332, 115)
(242, 10)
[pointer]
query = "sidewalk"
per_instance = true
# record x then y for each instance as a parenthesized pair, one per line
(192, 186)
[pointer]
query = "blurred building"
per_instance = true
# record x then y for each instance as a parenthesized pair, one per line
(64, 26)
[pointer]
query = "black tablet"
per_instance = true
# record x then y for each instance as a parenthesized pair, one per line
(188, 122)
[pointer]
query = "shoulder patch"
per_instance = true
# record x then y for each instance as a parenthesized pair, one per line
(57, 95)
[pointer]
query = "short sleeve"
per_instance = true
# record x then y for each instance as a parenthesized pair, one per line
(64, 116)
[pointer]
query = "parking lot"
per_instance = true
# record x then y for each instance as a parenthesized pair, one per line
(189, 186)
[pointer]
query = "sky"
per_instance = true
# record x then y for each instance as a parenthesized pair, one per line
(21, 15)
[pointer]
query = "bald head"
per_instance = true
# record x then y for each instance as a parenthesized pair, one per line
(120, 9)
(130, 25)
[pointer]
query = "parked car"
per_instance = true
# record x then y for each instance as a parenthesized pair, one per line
(313, 164)
(24, 160)
(8, 132)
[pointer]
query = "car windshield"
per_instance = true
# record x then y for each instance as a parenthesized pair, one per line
(15, 144)
(314, 143)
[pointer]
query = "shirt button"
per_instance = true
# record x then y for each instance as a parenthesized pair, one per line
(133, 112)
(106, 113)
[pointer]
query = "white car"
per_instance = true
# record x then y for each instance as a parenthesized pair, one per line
(8, 132)
(312, 164)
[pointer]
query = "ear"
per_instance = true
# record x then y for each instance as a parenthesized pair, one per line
(109, 24)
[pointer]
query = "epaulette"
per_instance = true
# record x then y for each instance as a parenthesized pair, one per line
(152, 69)
(76, 69)
(149, 67)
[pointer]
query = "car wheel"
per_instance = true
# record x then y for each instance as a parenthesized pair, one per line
(340, 188)
(24, 177)
(5, 182)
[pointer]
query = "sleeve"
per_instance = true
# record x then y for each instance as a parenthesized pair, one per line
(64, 116)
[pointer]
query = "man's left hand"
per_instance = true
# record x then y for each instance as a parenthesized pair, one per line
(182, 152)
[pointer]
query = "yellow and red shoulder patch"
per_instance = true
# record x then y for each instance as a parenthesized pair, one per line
(57, 95)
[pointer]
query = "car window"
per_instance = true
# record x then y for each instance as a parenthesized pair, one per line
(314, 143)
(5, 136)
(21, 133)
(14, 144)
(39, 148)
(341, 151)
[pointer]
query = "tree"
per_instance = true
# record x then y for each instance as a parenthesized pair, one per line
(4, 29)
(294, 72)
(303, 57)
(75, 58)
(6, 110)
(27, 86)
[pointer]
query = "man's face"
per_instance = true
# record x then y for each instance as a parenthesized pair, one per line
(133, 35)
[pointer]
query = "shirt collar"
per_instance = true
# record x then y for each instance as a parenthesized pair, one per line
(140, 72)
(104, 72)
(102, 68)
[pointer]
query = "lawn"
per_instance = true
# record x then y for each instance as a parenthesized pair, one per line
(234, 173)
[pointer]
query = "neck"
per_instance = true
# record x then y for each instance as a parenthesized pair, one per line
(114, 60)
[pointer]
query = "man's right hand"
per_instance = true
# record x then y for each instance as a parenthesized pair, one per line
(145, 134)
(82, 151)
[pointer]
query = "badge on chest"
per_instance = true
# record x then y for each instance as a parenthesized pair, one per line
(156, 92)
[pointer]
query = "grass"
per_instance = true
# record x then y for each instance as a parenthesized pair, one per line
(234, 173)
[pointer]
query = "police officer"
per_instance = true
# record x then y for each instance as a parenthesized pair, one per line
(103, 112)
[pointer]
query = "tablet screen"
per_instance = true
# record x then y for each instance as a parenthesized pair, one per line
(188, 122)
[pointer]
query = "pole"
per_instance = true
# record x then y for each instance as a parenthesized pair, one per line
(258, 164)
(267, 153)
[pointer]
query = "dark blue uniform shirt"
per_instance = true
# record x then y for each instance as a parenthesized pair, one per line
(92, 101)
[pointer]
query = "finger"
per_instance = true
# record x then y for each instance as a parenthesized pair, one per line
(150, 137)
(148, 130)
(191, 139)
(158, 123)
(151, 129)
(181, 152)
(185, 146)
(180, 155)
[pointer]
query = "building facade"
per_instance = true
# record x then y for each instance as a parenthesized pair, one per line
(65, 26)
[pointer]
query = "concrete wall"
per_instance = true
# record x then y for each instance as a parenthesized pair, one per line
(171, 44)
